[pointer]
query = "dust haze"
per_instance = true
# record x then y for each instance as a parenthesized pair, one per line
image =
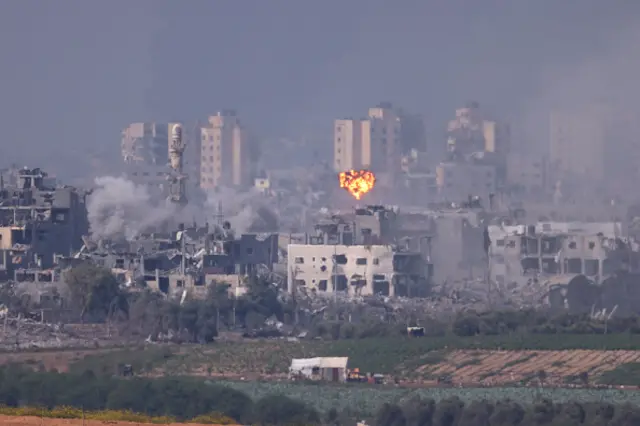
(515, 60)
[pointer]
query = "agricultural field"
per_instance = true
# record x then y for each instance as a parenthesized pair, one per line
(58, 360)
(485, 360)
(367, 399)
(500, 368)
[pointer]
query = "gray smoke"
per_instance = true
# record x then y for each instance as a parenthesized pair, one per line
(117, 207)
(239, 208)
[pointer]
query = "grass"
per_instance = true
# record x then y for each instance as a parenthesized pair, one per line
(624, 375)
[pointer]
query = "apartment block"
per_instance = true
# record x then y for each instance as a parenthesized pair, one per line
(145, 152)
(378, 141)
(146, 143)
(471, 132)
(225, 152)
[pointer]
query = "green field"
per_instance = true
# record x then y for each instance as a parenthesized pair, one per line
(367, 399)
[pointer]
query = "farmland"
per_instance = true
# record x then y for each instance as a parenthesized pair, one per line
(367, 399)
(466, 360)
(485, 360)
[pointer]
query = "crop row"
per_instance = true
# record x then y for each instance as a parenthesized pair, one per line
(368, 399)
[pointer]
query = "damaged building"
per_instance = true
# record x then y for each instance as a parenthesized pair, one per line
(358, 255)
(188, 260)
(38, 220)
(523, 254)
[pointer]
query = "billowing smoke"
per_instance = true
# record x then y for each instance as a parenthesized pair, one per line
(239, 208)
(117, 207)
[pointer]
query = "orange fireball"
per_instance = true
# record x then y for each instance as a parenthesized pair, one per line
(357, 182)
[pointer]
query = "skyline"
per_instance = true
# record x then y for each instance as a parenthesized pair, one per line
(78, 72)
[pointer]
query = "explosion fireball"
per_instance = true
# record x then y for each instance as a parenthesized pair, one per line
(357, 182)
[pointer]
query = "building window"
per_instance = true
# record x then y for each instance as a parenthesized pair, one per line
(322, 285)
(299, 260)
(376, 261)
(210, 138)
(211, 158)
(361, 261)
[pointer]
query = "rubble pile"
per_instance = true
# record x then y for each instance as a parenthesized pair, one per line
(20, 334)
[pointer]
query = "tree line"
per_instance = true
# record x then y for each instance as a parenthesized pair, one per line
(181, 398)
(454, 412)
(188, 398)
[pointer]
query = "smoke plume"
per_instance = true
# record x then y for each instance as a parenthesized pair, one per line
(239, 208)
(117, 207)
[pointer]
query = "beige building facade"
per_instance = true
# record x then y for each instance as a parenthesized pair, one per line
(376, 142)
(471, 132)
(225, 152)
(146, 143)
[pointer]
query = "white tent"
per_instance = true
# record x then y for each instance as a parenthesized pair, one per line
(328, 368)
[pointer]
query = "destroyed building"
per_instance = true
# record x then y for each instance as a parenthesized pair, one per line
(187, 260)
(523, 254)
(358, 254)
(38, 220)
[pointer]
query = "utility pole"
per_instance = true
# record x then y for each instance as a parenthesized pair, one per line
(182, 254)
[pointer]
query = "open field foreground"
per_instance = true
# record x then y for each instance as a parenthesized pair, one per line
(368, 399)
(37, 421)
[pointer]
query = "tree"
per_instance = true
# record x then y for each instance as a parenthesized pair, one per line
(390, 415)
(542, 376)
(94, 290)
(280, 410)
(584, 378)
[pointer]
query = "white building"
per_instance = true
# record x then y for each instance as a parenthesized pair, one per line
(333, 369)
(356, 270)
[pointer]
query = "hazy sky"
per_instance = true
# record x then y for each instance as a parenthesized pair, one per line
(76, 72)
